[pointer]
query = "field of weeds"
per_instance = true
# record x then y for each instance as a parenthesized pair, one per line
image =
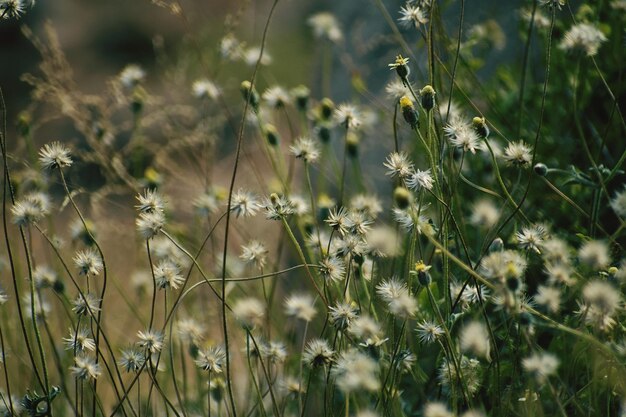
(360, 208)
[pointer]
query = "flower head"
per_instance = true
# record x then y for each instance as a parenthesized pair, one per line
(150, 340)
(79, 340)
(342, 315)
(475, 338)
(541, 365)
(88, 262)
(595, 254)
(132, 360)
(583, 37)
(355, 371)
(317, 353)
(167, 275)
(325, 25)
(206, 89)
(462, 135)
(54, 155)
(277, 207)
(249, 312)
(306, 149)
(531, 238)
(254, 252)
(401, 67)
(398, 165)
(12, 8)
(436, 409)
(189, 330)
(206, 204)
(149, 224)
(367, 330)
(428, 332)
(412, 15)
(150, 201)
(132, 75)
(301, 306)
(471, 371)
(332, 269)
(276, 97)
(211, 359)
(396, 90)
(244, 204)
(548, 296)
(85, 368)
(618, 203)
(30, 209)
(552, 3)
(347, 115)
(420, 179)
(86, 305)
(518, 154)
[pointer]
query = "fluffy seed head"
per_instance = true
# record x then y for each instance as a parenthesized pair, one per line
(412, 15)
(420, 179)
(355, 371)
(206, 89)
(317, 353)
(342, 315)
(437, 410)
(85, 368)
(54, 155)
(149, 224)
(79, 341)
(518, 154)
(428, 332)
(150, 340)
(325, 25)
(150, 201)
(398, 165)
(306, 149)
(347, 116)
(301, 307)
(132, 360)
(211, 359)
(475, 338)
(583, 38)
(244, 204)
(595, 254)
(87, 305)
(541, 365)
(255, 253)
(167, 275)
(249, 312)
(88, 262)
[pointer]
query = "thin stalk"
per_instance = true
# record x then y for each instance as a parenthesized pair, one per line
(303, 259)
(229, 387)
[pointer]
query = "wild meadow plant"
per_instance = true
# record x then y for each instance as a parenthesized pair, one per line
(450, 246)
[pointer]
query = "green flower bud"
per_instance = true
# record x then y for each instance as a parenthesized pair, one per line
(408, 112)
(301, 93)
(326, 108)
(271, 134)
(249, 93)
(428, 97)
(480, 127)
(402, 197)
(541, 169)
(497, 245)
